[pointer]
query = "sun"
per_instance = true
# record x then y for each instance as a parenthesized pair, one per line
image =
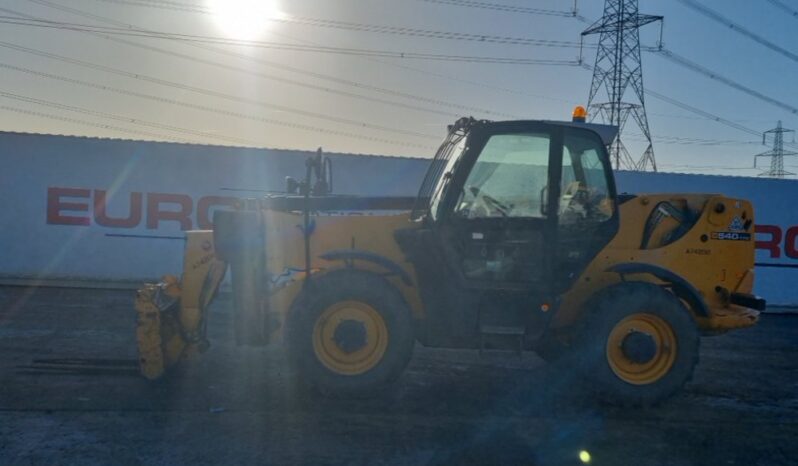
(243, 19)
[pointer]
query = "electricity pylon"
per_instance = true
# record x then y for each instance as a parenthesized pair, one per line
(618, 66)
(776, 154)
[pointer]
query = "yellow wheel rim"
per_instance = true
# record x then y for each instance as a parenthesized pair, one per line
(656, 365)
(350, 337)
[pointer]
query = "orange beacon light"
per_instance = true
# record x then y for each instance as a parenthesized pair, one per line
(580, 114)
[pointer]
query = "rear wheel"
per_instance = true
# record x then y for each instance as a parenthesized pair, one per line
(350, 334)
(639, 345)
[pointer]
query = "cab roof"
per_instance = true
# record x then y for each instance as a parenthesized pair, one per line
(607, 133)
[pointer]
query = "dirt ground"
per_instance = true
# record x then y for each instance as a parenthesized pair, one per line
(236, 405)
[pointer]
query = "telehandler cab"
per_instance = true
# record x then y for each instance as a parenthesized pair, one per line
(517, 240)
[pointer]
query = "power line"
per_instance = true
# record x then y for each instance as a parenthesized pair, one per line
(696, 117)
(706, 114)
(493, 87)
(139, 76)
(700, 69)
(707, 167)
(691, 65)
(292, 69)
(450, 78)
(120, 129)
(178, 6)
(207, 108)
(305, 72)
(717, 17)
(317, 75)
(198, 9)
(675, 58)
(426, 33)
(281, 46)
(703, 113)
(504, 7)
(165, 5)
(693, 141)
(670, 55)
(375, 28)
(785, 7)
(691, 109)
(209, 92)
(133, 121)
(272, 64)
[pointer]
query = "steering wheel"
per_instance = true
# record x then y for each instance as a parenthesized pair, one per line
(489, 202)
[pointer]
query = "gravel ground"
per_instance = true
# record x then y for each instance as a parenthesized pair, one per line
(236, 406)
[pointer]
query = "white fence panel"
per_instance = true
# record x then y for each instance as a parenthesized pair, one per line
(101, 210)
(91, 209)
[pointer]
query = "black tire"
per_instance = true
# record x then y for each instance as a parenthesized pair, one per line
(609, 309)
(341, 286)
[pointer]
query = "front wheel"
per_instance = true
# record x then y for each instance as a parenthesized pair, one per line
(351, 334)
(639, 345)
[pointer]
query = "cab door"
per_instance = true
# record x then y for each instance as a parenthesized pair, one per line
(499, 214)
(528, 206)
(484, 259)
(587, 213)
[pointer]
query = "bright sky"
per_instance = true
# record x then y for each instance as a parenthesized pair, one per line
(159, 89)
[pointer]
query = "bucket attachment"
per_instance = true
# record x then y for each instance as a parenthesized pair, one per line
(156, 306)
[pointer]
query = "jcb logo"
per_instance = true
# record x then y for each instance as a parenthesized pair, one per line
(770, 238)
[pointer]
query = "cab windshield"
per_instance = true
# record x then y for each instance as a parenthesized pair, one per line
(508, 178)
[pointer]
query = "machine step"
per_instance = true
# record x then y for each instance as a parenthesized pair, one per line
(501, 331)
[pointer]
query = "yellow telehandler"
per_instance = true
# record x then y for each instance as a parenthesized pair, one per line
(517, 240)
